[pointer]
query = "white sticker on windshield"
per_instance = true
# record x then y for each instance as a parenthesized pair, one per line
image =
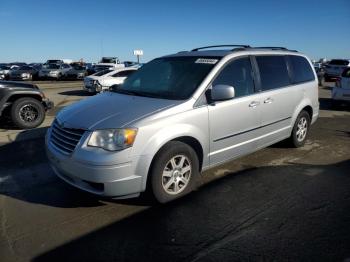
(206, 61)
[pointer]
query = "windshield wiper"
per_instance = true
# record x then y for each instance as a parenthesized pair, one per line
(135, 93)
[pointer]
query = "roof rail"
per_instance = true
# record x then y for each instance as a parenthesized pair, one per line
(272, 47)
(212, 46)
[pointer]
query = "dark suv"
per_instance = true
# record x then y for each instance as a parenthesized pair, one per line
(24, 103)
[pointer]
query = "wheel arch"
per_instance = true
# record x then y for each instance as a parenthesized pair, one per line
(14, 97)
(305, 105)
(309, 110)
(11, 98)
(190, 141)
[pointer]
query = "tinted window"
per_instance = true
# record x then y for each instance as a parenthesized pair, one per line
(273, 72)
(239, 75)
(125, 73)
(302, 71)
(339, 62)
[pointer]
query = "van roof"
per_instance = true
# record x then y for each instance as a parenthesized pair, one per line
(219, 52)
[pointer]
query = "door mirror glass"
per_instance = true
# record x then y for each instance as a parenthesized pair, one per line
(222, 92)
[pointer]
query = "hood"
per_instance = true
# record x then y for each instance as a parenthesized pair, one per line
(111, 110)
(13, 84)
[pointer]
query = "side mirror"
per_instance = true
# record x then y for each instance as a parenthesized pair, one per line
(113, 87)
(222, 92)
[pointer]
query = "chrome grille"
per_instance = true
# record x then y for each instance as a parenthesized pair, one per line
(65, 139)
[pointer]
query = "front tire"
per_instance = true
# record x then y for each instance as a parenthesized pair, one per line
(300, 129)
(174, 171)
(27, 113)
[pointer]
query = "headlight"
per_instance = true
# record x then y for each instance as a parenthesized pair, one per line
(113, 139)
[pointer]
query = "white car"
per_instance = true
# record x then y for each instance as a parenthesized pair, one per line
(341, 92)
(101, 81)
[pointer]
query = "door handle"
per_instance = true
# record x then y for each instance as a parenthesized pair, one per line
(254, 104)
(268, 101)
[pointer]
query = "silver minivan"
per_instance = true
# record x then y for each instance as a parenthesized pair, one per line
(181, 114)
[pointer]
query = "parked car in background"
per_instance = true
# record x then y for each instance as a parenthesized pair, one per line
(5, 72)
(24, 73)
(182, 114)
(59, 61)
(319, 69)
(334, 68)
(76, 72)
(25, 104)
(116, 77)
(101, 81)
(108, 63)
(129, 63)
(89, 80)
(54, 71)
(97, 68)
(341, 91)
(37, 66)
(90, 68)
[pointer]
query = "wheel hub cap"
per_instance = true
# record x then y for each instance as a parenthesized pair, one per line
(176, 174)
(302, 129)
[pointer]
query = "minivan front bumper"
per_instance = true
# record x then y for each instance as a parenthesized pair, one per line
(117, 180)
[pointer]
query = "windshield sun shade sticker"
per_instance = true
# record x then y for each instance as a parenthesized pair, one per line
(206, 61)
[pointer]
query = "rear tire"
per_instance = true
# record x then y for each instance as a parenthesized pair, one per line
(27, 113)
(174, 171)
(300, 130)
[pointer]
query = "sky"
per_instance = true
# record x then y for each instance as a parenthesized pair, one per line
(37, 30)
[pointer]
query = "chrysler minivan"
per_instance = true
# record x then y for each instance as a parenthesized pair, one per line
(181, 114)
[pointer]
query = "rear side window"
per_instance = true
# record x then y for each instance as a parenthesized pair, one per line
(301, 69)
(239, 75)
(273, 72)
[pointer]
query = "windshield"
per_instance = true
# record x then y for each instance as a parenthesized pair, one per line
(52, 66)
(173, 78)
(53, 61)
(339, 62)
(103, 72)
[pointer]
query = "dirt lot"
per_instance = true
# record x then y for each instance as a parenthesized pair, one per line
(276, 204)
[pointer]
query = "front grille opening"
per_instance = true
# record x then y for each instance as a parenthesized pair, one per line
(65, 139)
